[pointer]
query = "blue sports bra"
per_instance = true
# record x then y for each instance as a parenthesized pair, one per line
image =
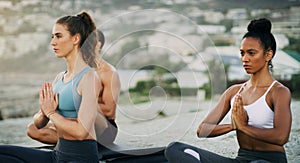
(68, 98)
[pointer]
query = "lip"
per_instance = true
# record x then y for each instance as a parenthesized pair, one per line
(246, 66)
(55, 50)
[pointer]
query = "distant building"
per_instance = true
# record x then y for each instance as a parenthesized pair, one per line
(129, 78)
(284, 64)
(194, 74)
(237, 14)
(211, 29)
(6, 4)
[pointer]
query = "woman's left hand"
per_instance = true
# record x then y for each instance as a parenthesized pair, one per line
(48, 100)
(239, 114)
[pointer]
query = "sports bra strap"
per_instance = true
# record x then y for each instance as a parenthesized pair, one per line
(241, 88)
(270, 87)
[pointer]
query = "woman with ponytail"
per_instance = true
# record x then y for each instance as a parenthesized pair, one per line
(71, 101)
(259, 108)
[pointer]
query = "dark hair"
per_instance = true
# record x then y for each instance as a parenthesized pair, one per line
(101, 37)
(84, 25)
(261, 29)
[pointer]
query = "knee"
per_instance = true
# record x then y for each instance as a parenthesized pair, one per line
(172, 148)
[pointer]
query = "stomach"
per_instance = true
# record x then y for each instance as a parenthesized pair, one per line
(250, 143)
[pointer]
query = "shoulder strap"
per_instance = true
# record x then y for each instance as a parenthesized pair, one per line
(78, 77)
(241, 88)
(270, 87)
(76, 80)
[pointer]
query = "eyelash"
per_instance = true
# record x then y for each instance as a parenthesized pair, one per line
(250, 53)
(242, 53)
(56, 36)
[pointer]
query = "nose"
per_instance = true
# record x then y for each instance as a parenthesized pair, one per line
(244, 58)
(52, 42)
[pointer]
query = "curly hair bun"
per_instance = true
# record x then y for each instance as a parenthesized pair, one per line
(262, 25)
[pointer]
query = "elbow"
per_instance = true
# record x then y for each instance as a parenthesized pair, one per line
(81, 135)
(282, 140)
(200, 132)
(30, 130)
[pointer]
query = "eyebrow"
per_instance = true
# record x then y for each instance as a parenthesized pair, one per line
(56, 34)
(248, 50)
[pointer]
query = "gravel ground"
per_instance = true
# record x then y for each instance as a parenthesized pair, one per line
(160, 122)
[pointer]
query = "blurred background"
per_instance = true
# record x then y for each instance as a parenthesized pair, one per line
(175, 49)
(182, 46)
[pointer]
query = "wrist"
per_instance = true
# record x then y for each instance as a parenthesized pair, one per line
(233, 127)
(50, 113)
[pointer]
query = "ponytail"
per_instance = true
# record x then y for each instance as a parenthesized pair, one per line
(84, 25)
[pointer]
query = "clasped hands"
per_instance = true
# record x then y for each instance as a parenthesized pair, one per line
(239, 116)
(48, 100)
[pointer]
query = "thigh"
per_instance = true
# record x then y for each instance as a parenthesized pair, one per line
(25, 154)
(180, 152)
(10, 159)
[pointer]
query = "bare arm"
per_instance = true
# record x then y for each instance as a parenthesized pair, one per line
(281, 99)
(111, 90)
(83, 127)
(210, 126)
(39, 119)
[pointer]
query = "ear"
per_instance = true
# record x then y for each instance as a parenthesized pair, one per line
(269, 55)
(76, 39)
(98, 45)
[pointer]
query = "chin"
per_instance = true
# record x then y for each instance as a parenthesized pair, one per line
(249, 72)
(58, 56)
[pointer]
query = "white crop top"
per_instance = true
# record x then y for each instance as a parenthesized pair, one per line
(259, 113)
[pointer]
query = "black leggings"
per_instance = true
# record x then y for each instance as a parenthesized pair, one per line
(65, 151)
(179, 153)
(17, 154)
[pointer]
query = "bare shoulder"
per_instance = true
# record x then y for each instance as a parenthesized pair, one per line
(104, 66)
(90, 75)
(107, 72)
(58, 76)
(232, 90)
(280, 90)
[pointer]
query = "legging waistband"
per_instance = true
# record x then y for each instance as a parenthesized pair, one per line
(273, 156)
(76, 146)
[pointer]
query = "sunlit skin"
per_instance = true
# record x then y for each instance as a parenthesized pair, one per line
(80, 128)
(109, 95)
(255, 62)
(62, 42)
(107, 100)
(254, 58)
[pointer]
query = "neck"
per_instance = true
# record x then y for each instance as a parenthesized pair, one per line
(75, 63)
(261, 79)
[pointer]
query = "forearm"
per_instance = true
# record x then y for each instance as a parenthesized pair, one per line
(40, 120)
(266, 135)
(108, 110)
(71, 127)
(212, 130)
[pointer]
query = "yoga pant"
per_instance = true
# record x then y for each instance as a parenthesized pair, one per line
(180, 152)
(65, 151)
(18, 154)
(109, 134)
